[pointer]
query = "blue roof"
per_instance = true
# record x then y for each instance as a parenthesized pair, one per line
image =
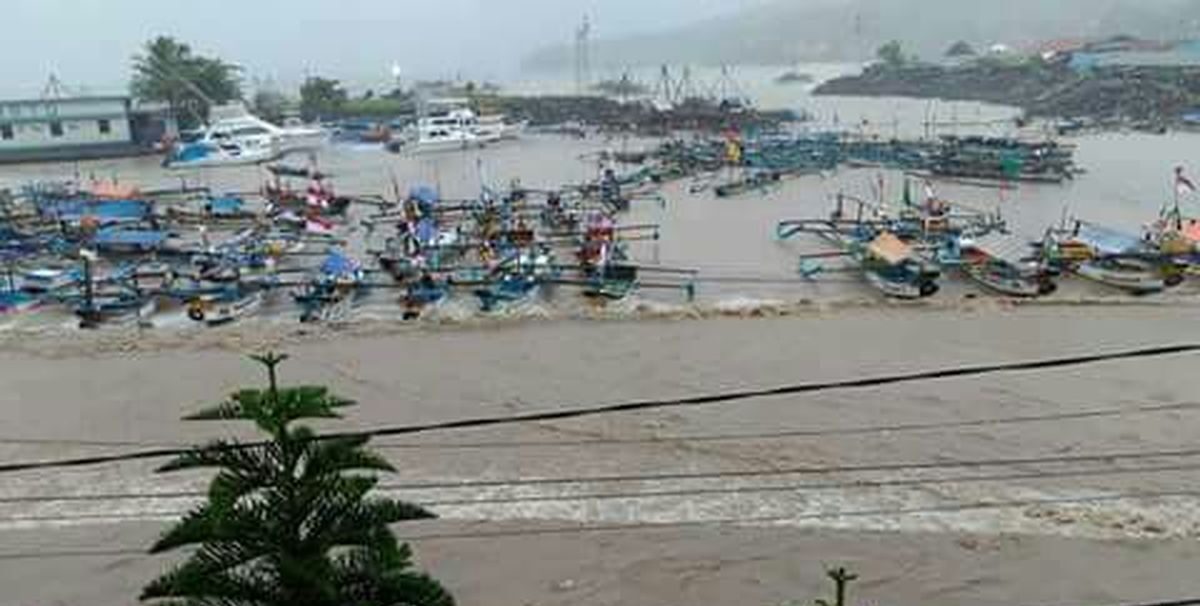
(130, 237)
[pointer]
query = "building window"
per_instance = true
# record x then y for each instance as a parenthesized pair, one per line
(105, 126)
(6, 132)
(56, 129)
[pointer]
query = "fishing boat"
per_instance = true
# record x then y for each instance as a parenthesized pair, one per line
(422, 295)
(14, 300)
(509, 289)
(1003, 263)
(1112, 258)
(889, 264)
(338, 282)
(117, 308)
(48, 279)
(1135, 275)
(612, 283)
(128, 240)
(226, 307)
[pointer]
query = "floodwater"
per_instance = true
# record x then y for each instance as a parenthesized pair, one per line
(1075, 539)
(730, 242)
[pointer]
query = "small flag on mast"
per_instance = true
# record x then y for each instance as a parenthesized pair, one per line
(1183, 185)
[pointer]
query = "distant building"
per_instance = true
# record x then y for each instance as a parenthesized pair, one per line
(77, 128)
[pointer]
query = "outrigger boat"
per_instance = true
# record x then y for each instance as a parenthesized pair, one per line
(230, 305)
(893, 267)
(1111, 258)
(1005, 264)
(337, 284)
(888, 263)
(14, 300)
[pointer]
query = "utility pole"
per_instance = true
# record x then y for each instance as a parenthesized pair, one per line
(583, 62)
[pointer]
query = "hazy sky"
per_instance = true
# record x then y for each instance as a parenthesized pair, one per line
(88, 43)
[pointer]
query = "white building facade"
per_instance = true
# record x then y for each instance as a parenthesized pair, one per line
(68, 128)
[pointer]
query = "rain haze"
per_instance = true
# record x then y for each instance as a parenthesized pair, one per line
(88, 43)
(648, 302)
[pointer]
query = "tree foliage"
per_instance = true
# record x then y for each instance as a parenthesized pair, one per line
(271, 105)
(962, 48)
(322, 98)
(288, 522)
(168, 71)
(891, 54)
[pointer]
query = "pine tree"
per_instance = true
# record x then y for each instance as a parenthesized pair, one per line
(288, 521)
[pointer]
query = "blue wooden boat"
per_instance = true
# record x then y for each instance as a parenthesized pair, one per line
(339, 281)
(423, 294)
(509, 289)
(226, 306)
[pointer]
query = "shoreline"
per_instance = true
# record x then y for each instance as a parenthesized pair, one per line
(1103, 96)
(58, 341)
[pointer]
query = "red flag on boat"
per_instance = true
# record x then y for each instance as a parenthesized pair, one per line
(1183, 185)
(318, 225)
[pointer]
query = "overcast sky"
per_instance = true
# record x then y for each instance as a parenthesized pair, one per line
(88, 43)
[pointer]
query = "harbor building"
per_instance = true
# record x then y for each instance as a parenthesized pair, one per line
(79, 128)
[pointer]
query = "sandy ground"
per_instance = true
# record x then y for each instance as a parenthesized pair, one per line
(106, 393)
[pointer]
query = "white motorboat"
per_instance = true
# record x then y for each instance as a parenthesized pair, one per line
(496, 127)
(450, 125)
(451, 130)
(237, 137)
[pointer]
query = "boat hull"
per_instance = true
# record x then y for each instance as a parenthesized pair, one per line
(1025, 287)
(1134, 279)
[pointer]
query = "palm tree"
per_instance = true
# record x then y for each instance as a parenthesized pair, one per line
(288, 521)
(168, 71)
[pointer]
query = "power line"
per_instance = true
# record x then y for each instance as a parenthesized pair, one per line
(697, 438)
(689, 401)
(610, 496)
(802, 433)
(713, 475)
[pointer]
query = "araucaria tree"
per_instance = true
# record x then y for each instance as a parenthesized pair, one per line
(289, 521)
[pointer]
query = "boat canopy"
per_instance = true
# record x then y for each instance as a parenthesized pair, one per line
(423, 194)
(889, 248)
(113, 190)
(1108, 241)
(131, 237)
(1002, 247)
(338, 265)
(104, 210)
(226, 205)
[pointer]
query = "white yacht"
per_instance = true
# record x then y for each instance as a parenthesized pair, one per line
(496, 127)
(235, 137)
(446, 130)
(449, 125)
